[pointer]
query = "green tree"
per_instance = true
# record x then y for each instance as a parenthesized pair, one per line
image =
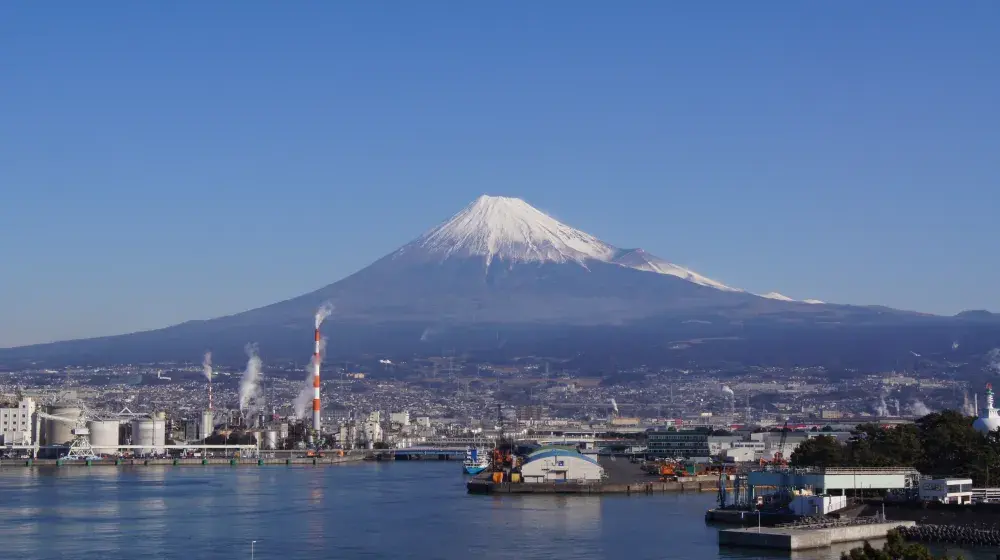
(895, 549)
(820, 451)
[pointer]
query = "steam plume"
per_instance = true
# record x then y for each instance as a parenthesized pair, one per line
(248, 384)
(727, 390)
(206, 366)
(323, 312)
(918, 408)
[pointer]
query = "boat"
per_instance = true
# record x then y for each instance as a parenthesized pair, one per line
(476, 460)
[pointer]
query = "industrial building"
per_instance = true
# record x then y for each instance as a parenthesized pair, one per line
(553, 464)
(947, 490)
(17, 423)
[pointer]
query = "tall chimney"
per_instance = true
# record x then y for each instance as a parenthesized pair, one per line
(316, 412)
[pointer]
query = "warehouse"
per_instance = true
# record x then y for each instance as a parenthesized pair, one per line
(550, 464)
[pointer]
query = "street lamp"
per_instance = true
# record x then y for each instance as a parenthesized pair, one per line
(251, 548)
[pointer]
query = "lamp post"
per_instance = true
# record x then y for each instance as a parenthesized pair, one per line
(251, 548)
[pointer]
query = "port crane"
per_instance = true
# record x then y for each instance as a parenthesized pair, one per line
(80, 447)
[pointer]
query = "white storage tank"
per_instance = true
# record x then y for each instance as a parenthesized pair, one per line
(207, 425)
(104, 436)
(58, 432)
(270, 440)
(151, 434)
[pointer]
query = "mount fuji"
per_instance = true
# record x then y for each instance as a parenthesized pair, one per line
(502, 275)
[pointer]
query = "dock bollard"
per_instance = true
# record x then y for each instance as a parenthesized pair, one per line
(175, 462)
(288, 461)
(232, 462)
(314, 461)
(204, 461)
(260, 462)
(29, 462)
(59, 462)
(118, 462)
(89, 463)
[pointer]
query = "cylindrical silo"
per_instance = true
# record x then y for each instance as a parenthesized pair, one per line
(207, 425)
(270, 439)
(104, 436)
(58, 432)
(159, 434)
(142, 434)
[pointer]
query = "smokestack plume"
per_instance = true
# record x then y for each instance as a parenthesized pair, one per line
(206, 368)
(322, 313)
(248, 384)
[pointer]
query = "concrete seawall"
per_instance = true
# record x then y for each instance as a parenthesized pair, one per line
(483, 486)
(792, 539)
(302, 461)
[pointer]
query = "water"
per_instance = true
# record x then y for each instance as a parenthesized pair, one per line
(364, 510)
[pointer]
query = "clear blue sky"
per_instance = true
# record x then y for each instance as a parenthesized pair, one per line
(169, 161)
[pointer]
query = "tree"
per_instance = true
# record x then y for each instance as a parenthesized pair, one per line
(820, 451)
(895, 549)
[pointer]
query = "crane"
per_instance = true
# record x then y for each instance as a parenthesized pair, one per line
(80, 448)
(779, 455)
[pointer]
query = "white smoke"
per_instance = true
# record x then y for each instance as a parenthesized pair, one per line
(881, 409)
(729, 392)
(251, 376)
(918, 408)
(323, 312)
(206, 366)
(305, 396)
(954, 345)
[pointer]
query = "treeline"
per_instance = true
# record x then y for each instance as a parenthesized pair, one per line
(939, 444)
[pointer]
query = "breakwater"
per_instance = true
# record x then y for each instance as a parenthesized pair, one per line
(969, 535)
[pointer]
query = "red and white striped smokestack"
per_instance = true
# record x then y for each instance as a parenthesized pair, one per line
(316, 420)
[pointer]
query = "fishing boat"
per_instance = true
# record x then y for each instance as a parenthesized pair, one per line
(476, 461)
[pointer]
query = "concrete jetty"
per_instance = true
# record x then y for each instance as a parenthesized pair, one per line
(806, 538)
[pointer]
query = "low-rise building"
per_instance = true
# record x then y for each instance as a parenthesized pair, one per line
(553, 464)
(947, 490)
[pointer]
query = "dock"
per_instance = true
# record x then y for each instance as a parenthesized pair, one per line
(623, 478)
(792, 539)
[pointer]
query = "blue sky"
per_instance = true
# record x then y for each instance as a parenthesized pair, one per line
(161, 162)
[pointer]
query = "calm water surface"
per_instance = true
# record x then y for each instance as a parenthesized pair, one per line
(364, 510)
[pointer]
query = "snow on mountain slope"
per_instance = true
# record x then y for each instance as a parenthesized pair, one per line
(504, 228)
(777, 296)
(641, 260)
(813, 301)
(499, 228)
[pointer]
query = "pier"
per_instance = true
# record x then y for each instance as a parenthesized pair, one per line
(792, 539)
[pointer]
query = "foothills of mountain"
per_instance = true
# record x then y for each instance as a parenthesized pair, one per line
(895, 548)
(502, 279)
(941, 444)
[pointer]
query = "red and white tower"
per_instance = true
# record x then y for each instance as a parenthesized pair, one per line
(316, 409)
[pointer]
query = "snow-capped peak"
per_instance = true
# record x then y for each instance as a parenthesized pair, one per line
(777, 296)
(641, 260)
(500, 227)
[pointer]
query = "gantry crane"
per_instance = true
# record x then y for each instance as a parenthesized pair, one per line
(80, 448)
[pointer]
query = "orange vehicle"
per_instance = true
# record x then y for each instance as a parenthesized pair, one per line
(314, 454)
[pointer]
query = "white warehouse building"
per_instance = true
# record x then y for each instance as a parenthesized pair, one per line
(551, 464)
